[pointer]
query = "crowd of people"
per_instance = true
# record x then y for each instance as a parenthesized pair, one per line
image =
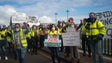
(22, 39)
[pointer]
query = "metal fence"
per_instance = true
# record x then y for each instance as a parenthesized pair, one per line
(107, 46)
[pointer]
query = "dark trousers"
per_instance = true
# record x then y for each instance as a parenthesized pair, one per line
(29, 43)
(3, 48)
(34, 44)
(55, 53)
(86, 43)
(10, 48)
(21, 53)
(60, 38)
(67, 50)
(42, 38)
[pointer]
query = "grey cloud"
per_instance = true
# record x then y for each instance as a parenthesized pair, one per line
(5, 13)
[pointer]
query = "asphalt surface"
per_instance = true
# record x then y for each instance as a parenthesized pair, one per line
(44, 57)
(39, 58)
(83, 59)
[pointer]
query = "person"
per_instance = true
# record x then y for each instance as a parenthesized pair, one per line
(9, 40)
(3, 43)
(71, 49)
(84, 37)
(34, 39)
(60, 36)
(42, 35)
(20, 43)
(26, 28)
(54, 50)
(96, 30)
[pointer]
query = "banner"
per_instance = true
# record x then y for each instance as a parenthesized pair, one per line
(71, 38)
(106, 18)
(52, 41)
(19, 18)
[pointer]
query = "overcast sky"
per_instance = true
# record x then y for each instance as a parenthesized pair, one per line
(46, 9)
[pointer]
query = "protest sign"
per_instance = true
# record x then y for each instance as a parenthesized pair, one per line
(19, 18)
(71, 38)
(52, 41)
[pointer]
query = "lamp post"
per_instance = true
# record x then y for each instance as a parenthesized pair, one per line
(67, 13)
(56, 16)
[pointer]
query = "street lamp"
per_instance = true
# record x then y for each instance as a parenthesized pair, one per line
(67, 13)
(56, 16)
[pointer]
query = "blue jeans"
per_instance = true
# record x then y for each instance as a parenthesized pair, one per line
(96, 48)
(21, 53)
(55, 53)
(3, 48)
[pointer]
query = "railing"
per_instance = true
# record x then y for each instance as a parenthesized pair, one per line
(107, 46)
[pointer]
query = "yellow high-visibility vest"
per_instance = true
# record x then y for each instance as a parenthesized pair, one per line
(28, 35)
(33, 33)
(8, 38)
(3, 32)
(59, 30)
(53, 32)
(22, 38)
(96, 28)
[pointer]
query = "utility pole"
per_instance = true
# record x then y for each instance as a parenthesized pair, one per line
(56, 16)
(67, 13)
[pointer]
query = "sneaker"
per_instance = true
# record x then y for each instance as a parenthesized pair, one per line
(0, 57)
(29, 50)
(6, 58)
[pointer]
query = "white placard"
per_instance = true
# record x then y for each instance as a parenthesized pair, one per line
(71, 39)
(19, 18)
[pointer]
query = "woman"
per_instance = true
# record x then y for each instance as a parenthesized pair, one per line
(34, 39)
(54, 50)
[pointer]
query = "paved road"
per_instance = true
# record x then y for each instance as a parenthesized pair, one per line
(39, 58)
(83, 59)
(43, 57)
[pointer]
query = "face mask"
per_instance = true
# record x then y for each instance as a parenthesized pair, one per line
(17, 29)
(53, 28)
(73, 26)
(34, 27)
(92, 19)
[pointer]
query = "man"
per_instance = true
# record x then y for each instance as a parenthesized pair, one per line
(19, 42)
(96, 31)
(71, 49)
(9, 39)
(26, 29)
(42, 35)
(3, 43)
(84, 37)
